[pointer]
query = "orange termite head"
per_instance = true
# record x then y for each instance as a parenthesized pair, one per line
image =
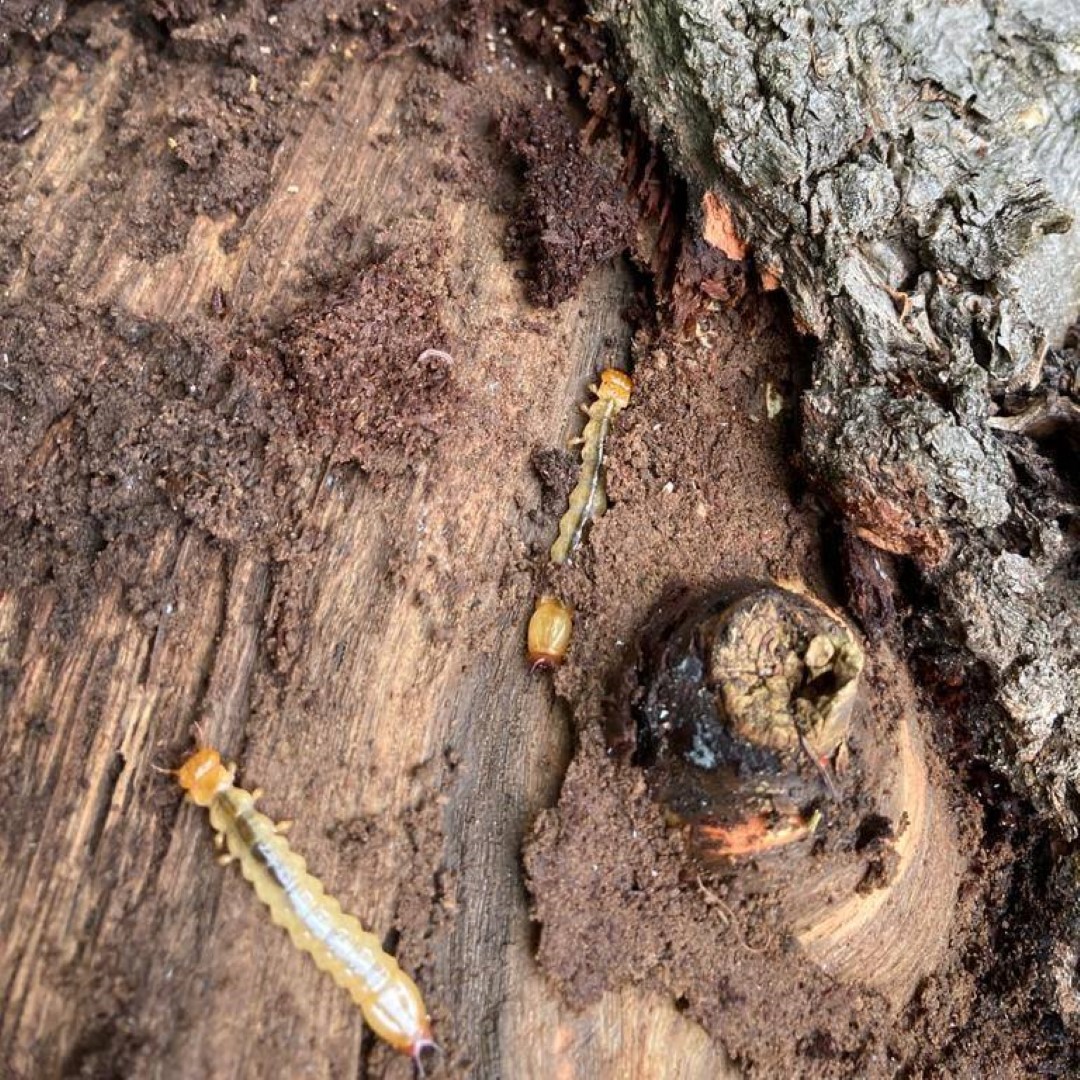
(202, 776)
(615, 385)
(550, 628)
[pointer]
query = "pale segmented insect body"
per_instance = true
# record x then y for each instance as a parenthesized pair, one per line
(339, 945)
(588, 500)
(550, 628)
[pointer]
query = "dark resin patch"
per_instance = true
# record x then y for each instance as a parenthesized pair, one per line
(740, 708)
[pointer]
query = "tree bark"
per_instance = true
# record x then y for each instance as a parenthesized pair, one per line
(908, 173)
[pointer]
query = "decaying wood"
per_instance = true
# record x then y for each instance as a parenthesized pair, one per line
(908, 173)
(403, 708)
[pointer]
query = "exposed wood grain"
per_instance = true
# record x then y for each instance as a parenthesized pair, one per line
(374, 687)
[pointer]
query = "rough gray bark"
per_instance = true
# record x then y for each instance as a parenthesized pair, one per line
(910, 172)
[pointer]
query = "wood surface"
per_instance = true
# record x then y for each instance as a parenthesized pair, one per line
(396, 704)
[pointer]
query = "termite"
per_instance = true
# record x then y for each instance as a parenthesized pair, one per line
(549, 633)
(588, 500)
(339, 945)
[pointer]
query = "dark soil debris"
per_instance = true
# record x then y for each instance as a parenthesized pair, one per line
(574, 213)
(369, 371)
(702, 274)
(116, 427)
(555, 469)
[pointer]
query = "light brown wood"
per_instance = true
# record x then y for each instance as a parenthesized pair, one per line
(404, 704)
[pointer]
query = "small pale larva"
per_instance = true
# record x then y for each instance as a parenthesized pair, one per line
(549, 633)
(588, 500)
(339, 945)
